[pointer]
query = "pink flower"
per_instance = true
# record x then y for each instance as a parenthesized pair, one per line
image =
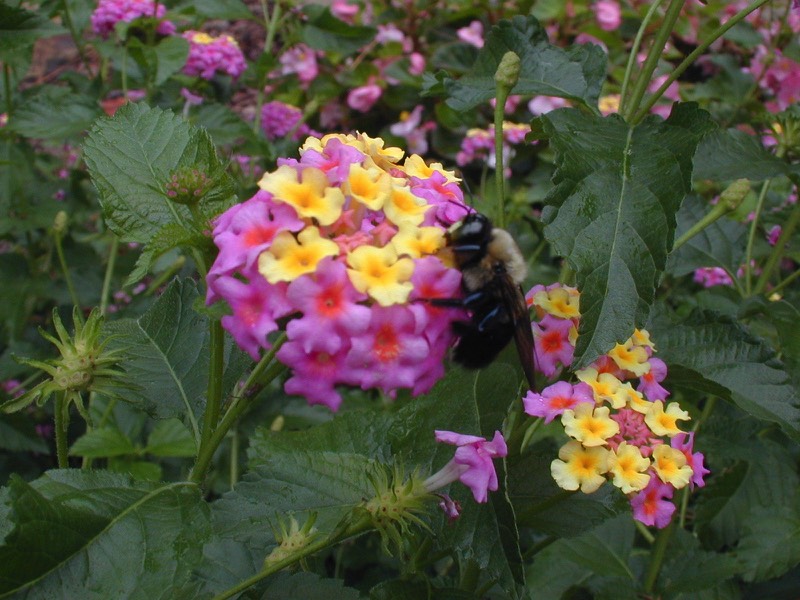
(472, 34)
(450, 507)
(316, 365)
(343, 10)
(711, 276)
(472, 463)
(608, 14)
(364, 97)
(551, 344)
(773, 235)
(541, 105)
(634, 431)
(300, 60)
(208, 55)
(685, 443)
(652, 505)
(110, 12)
(557, 398)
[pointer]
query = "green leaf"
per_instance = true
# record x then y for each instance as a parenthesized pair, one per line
(604, 550)
(223, 125)
(730, 154)
(54, 113)
(741, 367)
(170, 56)
(721, 244)
(612, 211)
(102, 443)
(19, 29)
(575, 73)
(165, 352)
(689, 569)
(226, 10)
(111, 542)
(325, 32)
(171, 438)
(166, 238)
(308, 586)
(18, 434)
(770, 545)
(131, 157)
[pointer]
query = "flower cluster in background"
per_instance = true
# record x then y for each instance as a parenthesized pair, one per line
(616, 415)
(209, 55)
(110, 12)
(345, 243)
(279, 119)
(478, 145)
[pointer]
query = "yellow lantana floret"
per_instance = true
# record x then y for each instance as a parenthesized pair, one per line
(371, 187)
(635, 399)
(310, 195)
(562, 302)
(665, 422)
(629, 467)
(403, 207)
(384, 158)
(589, 425)
(605, 386)
(415, 166)
(579, 467)
(641, 337)
(670, 466)
(288, 258)
(630, 358)
(417, 242)
(379, 273)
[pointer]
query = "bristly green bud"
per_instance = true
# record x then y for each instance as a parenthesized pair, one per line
(60, 222)
(188, 186)
(507, 73)
(293, 539)
(84, 365)
(734, 194)
(396, 505)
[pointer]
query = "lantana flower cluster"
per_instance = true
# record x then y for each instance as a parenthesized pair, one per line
(478, 145)
(110, 12)
(208, 54)
(344, 249)
(620, 424)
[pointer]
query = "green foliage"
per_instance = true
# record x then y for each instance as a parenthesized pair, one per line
(19, 29)
(323, 31)
(55, 112)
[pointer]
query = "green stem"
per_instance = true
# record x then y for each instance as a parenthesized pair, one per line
(695, 54)
(779, 288)
(61, 427)
(544, 505)
(73, 294)
(644, 531)
(166, 275)
(751, 237)
(634, 51)
(76, 39)
(778, 251)
(499, 168)
(718, 211)
(650, 63)
(271, 25)
(657, 557)
(214, 389)
(234, 464)
(239, 405)
(112, 258)
(356, 528)
(7, 89)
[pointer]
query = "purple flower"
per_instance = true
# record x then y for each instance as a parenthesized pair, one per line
(557, 398)
(110, 12)
(653, 506)
(208, 54)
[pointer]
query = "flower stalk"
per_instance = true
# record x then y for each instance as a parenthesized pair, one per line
(505, 79)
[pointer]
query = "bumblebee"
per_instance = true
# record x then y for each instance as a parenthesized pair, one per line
(492, 269)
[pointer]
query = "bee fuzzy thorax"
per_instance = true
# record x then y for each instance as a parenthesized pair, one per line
(503, 249)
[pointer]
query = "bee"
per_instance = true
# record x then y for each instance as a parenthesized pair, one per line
(492, 270)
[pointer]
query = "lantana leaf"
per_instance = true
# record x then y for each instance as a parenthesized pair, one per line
(612, 211)
(729, 154)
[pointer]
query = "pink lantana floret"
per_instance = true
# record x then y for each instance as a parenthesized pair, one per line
(557, 398)
(472, 463)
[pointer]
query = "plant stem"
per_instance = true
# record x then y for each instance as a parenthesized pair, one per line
(239, 405)
(76, 39)
(720, 210)
(356, 528)
(73, 294)
(112, 258)
(544, 505)
(499, 167)
(214, 389)
(777, 252)
(61, 426)
(778, 288)
(650, 63)
(657, 557)
(644, 531)
(271, 24)
(697, 52)
(751, 237)
(634, 51)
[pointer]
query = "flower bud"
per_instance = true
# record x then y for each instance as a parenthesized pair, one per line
(187, 186)
(507, 73)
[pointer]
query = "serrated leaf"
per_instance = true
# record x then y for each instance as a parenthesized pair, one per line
(770, 545)
(166, 238)
(689, 568)
(721, 351)
(19, 29)
(53, 113)
(171, 438)
(612, 211)
(730, 154)
(102, 443)
(575, 73)
(605, 549)
(166, 353)
(223, 125)
(131, 157)
(170, 55)
(721, 244)
(75, 546)
(323, 31)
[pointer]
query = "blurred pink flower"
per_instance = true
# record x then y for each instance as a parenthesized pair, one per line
(110, 12)
(472, 34)
(608, 14)
(208, 55)
(364, 97)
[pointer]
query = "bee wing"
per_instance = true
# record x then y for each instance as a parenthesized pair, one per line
(514, 300)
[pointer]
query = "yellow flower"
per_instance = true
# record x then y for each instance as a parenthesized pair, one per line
(589, 425)
(630, 358)
(312, 197)
(379, 273)
(579, 467)
(605, 386)
(560, 302)
(641, 337)
(417, 242)
(629, 467)
(404, 207)
(670, 466)
(202, 38)
(635, 399)
(415, 166)
(384, 158)
(371, 187)
(609, 104)
(287, 259)
(665, 422)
